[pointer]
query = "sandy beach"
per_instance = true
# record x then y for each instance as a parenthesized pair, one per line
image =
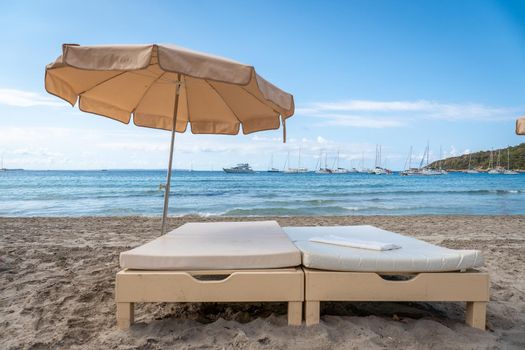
(57, 279)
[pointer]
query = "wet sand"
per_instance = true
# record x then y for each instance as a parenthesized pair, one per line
(57, 279)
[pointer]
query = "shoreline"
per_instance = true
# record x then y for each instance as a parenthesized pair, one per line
(58, 277)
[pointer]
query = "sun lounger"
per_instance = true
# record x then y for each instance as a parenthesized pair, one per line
(423, 271)
(213, 262)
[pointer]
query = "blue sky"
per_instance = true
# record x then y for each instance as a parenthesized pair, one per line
(395, 73)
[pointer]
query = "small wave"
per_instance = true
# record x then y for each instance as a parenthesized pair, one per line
(283, 211)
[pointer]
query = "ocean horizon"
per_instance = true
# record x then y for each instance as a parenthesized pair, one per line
(55, 193)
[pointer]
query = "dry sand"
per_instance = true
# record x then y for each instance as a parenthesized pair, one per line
(57, 279)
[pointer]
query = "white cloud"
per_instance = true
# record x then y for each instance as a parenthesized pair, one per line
(390, 114)
(75, 148)
(359, 121)
(20, 98)
(321, 140)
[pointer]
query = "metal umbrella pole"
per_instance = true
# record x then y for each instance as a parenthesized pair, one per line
(170, 162)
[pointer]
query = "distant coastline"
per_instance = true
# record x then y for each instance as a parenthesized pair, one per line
(512, 157)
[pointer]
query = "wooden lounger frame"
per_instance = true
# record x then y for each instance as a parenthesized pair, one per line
(295, 285)
(471, 286)
(265, 285)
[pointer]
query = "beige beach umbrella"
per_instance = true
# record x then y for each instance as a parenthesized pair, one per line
(168, 87)
(520, 126)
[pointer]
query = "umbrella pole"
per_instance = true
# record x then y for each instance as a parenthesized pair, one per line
(170, 162)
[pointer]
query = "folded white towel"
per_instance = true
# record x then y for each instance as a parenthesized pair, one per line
(354, 243)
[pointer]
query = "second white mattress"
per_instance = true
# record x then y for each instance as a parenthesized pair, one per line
(413, 256)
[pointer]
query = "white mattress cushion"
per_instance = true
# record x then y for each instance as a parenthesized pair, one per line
(413, 256)
(216, 245)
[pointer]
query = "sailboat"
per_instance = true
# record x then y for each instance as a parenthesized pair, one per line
(493, 170)
(2, 165)
(469, 170)
(336, 169)
(378, 170)
(299, 169)
(409, 171)
(441, 170)
(323, 170)
(271, 169)
(426, 170)
(508, 171)
(362, 168)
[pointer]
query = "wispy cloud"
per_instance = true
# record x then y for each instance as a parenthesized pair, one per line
(389, 114)
(358, 121)
(20, 98)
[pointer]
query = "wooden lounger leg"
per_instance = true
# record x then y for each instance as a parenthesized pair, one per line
(476, 314)
(312, 311)
(295, 313)
(125, 315)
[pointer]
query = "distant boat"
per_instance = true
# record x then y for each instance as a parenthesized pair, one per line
(5, 169)
(2, 165)
(422, 170)
(362, 169)
(296, 170)
(469, 170)
(321, 169)
(409, 171)
(378, 169)
(441, 170)
(382, 171)
(243, 168)
(271, 169)
(426, 170)
(336, 169)
(508, 171)
(431, 172)
(494, 170)
(299, 168)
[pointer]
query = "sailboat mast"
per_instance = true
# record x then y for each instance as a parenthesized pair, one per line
(380, 155)
(375, 164)
(440, 160)
(422, 160)
(428, 151)
(508, 158)
(410, 159)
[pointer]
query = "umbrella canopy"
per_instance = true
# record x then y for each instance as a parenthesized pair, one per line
(217, 95)
(520, 126)
(168, 87)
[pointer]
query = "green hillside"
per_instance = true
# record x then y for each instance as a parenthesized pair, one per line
(480, 160)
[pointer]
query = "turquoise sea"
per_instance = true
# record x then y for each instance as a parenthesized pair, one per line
(136, 192)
